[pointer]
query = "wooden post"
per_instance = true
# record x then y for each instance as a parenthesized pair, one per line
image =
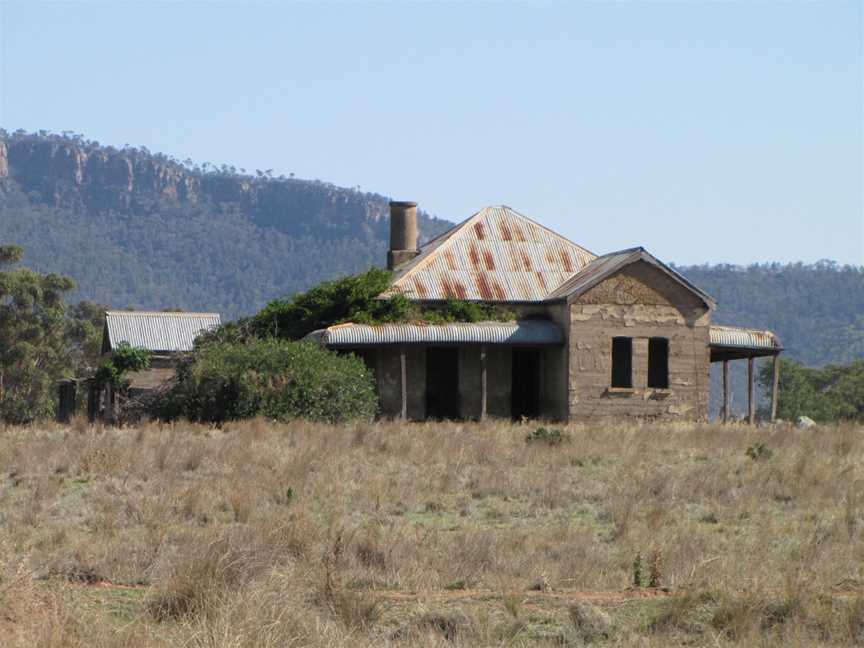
(775, 385)
(403, 370)
(483, 382)
(725, 391)
(751, 392)
(67, 400)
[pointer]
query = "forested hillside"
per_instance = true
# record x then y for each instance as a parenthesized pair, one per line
(139, 229)
(817, 310)
(144, 230)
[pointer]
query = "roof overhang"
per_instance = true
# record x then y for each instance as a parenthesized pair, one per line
(519, 333)
(734, 343)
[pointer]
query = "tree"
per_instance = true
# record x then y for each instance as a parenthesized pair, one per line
(34, 348)
(830, 393)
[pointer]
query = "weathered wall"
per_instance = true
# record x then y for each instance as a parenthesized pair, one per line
(554, 402)
(639, 302)
(389, 379)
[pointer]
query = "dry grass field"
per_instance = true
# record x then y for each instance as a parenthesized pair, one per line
(431, 534)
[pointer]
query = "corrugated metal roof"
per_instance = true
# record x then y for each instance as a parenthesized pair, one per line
(608, 264)
(743, 338)
(157, 331)
(497, 255)
(528, 332)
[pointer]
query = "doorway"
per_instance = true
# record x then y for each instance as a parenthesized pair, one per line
(525, 390)
(442, 383)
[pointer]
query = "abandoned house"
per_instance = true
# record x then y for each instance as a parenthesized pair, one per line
(166, 334)
(621, 334)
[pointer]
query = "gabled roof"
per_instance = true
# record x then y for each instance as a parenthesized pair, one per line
(497, 255)
(156, 331)
(608, 264)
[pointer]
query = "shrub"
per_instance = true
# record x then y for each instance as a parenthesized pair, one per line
(124, 358)
(759, 452)
(275, 379)
(549, 436)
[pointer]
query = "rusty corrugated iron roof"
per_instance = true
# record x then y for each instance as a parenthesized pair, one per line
(156, 331)
(497, 255)
(522, 332)
(733, 337)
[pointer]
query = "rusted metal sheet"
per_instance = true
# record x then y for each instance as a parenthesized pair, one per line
(157, 331)
(496, 255)
(743, 338)
(523, 332)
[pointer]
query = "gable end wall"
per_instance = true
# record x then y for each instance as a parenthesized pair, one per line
(638, 302)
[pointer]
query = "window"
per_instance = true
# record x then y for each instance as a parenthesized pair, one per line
(622, 362)
(658, 363)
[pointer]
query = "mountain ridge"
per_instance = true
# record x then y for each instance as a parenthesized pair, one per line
(144, 230)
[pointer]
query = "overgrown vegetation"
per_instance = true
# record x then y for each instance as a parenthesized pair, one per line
(830, 393)
(276, 379)
(124, 359)
(350, 299)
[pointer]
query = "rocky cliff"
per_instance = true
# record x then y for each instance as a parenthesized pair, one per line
(72, 173)
(144, 230)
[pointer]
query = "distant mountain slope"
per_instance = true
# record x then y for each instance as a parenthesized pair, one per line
(143, 230)
(139, 229)
(817, 310)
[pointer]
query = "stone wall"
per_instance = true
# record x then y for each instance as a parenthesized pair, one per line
(639, 302)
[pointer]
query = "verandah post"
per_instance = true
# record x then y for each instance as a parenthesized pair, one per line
(751, 392)
(775, 384)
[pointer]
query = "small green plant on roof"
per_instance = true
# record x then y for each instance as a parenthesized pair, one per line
(760, 452)
(548, 436)
(350, 299)
(124, 358)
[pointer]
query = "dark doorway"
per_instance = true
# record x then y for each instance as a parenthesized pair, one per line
(442, 383)
(525, 390)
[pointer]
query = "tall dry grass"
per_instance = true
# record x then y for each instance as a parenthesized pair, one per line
(309, 535)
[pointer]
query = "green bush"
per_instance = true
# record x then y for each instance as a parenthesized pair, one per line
(549, 436)
(124, 359)
(277, 379)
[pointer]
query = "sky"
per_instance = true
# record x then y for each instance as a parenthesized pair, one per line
(706, 132)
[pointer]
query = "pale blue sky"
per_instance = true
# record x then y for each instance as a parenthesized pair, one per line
(718, 132)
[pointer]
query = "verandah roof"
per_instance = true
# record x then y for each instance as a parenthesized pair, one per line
(522, 332)
(732, 342)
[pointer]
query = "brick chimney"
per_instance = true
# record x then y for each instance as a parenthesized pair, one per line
(403, 233)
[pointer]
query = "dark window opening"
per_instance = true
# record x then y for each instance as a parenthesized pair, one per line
(622, 362)
(525, 384)
(658, 363)
(442, 383)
